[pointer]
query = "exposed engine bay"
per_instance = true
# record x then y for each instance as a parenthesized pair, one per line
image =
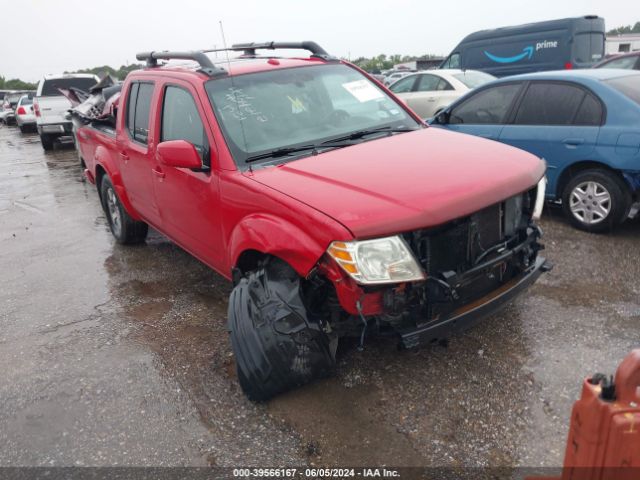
(469, 264)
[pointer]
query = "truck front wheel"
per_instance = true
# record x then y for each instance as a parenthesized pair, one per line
(125, 229)
(277, 345)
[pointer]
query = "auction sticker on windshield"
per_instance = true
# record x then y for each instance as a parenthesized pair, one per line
(362, 90)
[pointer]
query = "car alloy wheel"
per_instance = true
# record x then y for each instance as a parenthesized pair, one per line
(590, 202)
(114, 212)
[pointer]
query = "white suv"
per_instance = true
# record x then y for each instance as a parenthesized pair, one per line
(51, 106)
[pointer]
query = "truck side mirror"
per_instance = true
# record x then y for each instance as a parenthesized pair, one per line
(179, 154)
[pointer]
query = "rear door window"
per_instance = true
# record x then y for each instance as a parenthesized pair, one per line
(590, 112)
(554, 104)
(489, 106)
(138, 109)
(427, 83)
(50, 87)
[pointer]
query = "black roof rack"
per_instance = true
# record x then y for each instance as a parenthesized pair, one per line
(206, 65)
(249, 49)
(315, 49)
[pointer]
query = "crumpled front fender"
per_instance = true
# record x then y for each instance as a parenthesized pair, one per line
(275, 236)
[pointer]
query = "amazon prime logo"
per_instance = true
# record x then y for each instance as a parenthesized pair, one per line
(546, 44)
(527, 52)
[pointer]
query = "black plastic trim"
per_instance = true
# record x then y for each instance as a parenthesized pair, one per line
(462, 321)
(206, 65)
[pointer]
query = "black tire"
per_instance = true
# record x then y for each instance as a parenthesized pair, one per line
(276, 345)
(125, 229)
(23, 128)
(77, 147)
(575, 195)
(47, 141)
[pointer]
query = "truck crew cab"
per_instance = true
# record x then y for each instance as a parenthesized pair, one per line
(333, 209)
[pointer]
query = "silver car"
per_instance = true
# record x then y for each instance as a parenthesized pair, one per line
(25, 117)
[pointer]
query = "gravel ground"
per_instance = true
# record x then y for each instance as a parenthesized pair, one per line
(119, 356)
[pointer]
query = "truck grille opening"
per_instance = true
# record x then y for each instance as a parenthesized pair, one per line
(451, 254)
(456, 246)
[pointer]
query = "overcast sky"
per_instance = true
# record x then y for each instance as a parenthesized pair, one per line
(51, 36)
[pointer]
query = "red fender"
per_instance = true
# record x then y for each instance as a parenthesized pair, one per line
(278, 237)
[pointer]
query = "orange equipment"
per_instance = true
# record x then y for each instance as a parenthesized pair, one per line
(604, 436)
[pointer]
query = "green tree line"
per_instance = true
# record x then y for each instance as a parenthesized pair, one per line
(120, 74)
(15, 84)
(385, 62)
(625, 29)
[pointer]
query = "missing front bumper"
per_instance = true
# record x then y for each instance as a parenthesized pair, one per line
(468, 315)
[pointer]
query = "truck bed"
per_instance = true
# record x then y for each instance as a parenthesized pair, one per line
(95, 140)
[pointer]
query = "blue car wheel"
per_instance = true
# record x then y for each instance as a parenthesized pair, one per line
(596, 200)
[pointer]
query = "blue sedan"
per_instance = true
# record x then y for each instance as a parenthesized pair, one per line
(584, 123)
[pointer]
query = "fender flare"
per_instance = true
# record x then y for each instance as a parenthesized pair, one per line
(273, 235)
(104, 160)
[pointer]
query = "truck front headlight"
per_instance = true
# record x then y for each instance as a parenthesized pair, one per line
(382, 260)
(540, 193)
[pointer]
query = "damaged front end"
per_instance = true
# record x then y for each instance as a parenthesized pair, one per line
(472, 266)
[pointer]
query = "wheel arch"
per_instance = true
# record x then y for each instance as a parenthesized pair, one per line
(570, 170)
(104, 166)
(259, 236)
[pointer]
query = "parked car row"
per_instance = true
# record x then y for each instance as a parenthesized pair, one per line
(9, 105)
(45, 110)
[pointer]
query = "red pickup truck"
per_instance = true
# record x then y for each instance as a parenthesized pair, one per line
(331, 206)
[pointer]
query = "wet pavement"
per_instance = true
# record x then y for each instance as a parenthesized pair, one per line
(116, 355)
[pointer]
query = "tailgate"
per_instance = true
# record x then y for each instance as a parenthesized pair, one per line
(53, 109)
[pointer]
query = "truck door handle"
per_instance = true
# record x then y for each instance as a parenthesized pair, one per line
(158, 173)
(124, 156)
(431, 99)
(573, 142)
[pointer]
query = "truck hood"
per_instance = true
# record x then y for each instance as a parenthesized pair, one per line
(406, 181)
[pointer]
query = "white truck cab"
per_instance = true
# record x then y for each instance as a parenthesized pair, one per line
(51, 106)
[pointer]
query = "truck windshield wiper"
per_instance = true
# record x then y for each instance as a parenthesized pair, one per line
(285, 151)
(371, 131)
